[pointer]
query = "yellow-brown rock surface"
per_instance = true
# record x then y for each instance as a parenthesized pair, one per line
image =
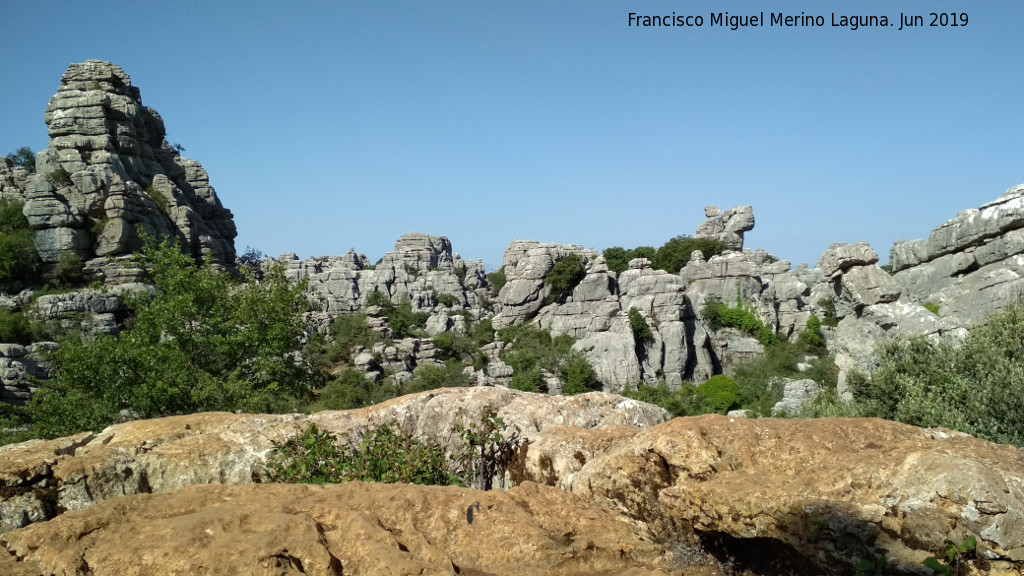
(829, 489)
(351, 529)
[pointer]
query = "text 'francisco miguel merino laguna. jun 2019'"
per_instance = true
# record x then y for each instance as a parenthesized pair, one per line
(802, 20)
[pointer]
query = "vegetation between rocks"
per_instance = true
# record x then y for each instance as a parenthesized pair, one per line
(671, 257)
(481, 452)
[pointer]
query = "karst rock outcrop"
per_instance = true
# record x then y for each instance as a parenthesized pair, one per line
(816, 495)
(109, 172)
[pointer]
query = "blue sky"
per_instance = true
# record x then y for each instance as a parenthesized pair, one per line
(334, 125)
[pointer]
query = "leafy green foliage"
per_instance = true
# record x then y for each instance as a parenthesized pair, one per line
(203, 342)
(17, 328)
(402, 320)
(60, 177)
(717, 316)
(490, 447)
(23, 157)
(675, 253)
(565, 275)
(19, 261)
(811, 334)
(348, 334)
(160, 200)
(956, 558)
(385, 454)
(351, 389)
(683, 401)
(531, 352)
(720, 390)
(671, 257)
(828, 308)
(618, 258)
(759, 380)
(448, 300)
(641, 331)
(578, 376)
(69, 271)
(432, 377)
(496, 280)
(977, 388)
(932, 307)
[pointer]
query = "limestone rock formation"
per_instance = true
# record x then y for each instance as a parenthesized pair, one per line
(39, 479)
(814, 495)
(826, 492)
(109, 170)
(352, 528)
(970, 266)
(421, 268)
(727, 225)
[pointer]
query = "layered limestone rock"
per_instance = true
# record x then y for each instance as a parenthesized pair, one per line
(870, 307)
(421, 269)
(727, 225)
(40, 479)
(970, 266)
(109, 171)
(827, 492)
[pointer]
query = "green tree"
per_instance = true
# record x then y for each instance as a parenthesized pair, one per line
(201, 342)
(675, 253)
(23, 157)
(19, 261)
(564, 276)
(721, 391)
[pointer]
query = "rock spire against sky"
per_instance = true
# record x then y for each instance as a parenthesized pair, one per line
(346, 125)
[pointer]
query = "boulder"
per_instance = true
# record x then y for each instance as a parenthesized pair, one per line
(821, 493)
(839, 258)
(727, 226)
(39, 479)
(795, 395)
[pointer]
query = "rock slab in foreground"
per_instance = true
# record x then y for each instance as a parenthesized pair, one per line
(814, 487)
(351, 529)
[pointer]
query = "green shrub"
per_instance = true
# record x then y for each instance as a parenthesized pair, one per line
(531, 352)
(384, 454)
(932, 307)
(432, 377)
(618, 258)
(483, 332)
(203, 342)
(403, 322)
(565, 275)
(448, 300)
(720, 390)
(641, 331)
(98, 226)
(811, 334)
(19, 261)
(717, 316)
(759, 380)
(17, 328)
(496, 280)
(70, 270)
(23, 157)
(683, 401)
(350, 333)
(828, 308)
(578, 376)
(60, 177)
(350, 390)
(675, 253)
(378, 298)
(977, 388)
(160, 200)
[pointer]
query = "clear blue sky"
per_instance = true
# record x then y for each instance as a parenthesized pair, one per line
(332, 125)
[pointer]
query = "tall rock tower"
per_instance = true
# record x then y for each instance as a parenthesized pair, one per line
(109, 173)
